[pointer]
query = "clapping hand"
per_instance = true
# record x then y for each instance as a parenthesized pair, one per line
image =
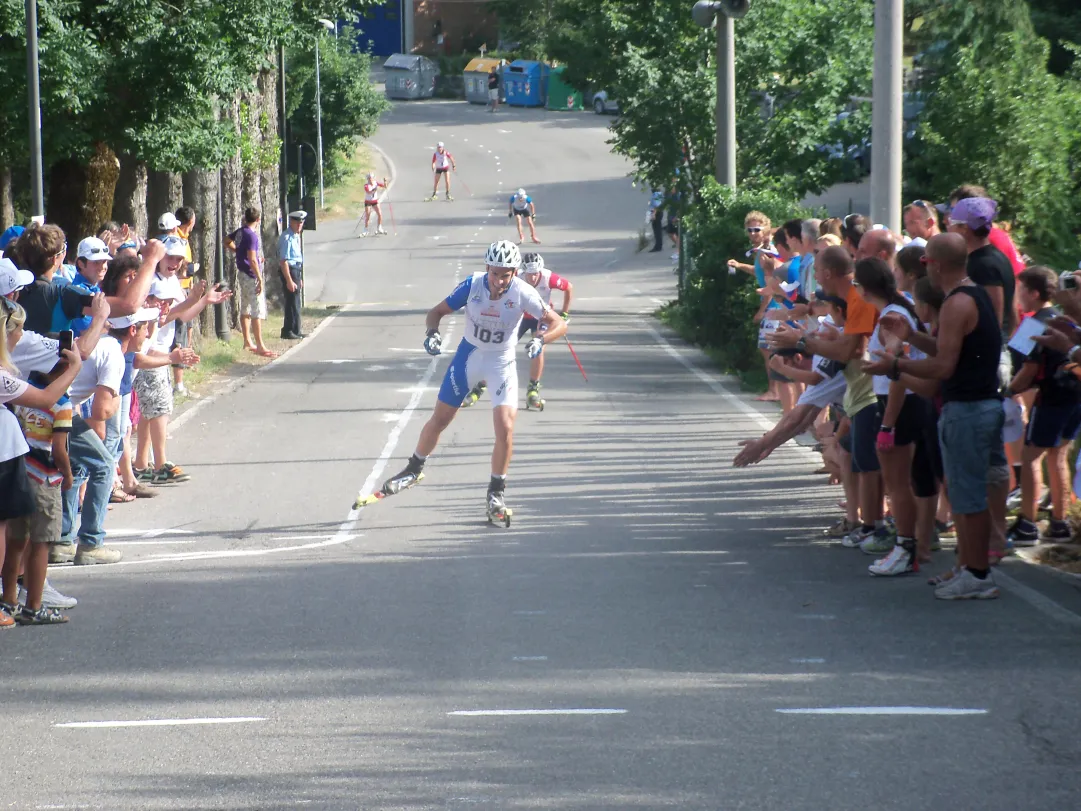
(897, 325)
(880, 364)
(182, 356)
(785, 337)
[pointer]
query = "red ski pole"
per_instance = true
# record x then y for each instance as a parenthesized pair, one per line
(575, 356)
(464, 186)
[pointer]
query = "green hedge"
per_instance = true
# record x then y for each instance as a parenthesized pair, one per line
(716, 308)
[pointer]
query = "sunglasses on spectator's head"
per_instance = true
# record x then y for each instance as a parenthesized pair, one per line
(63, 251)
(920, 204)
(8, 306)
(754, 229)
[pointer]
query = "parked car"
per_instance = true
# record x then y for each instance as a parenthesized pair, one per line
(603, 104)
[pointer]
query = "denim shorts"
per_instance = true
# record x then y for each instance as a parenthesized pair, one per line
(970, 434)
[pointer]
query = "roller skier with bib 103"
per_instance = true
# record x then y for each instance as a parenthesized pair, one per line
(495, 302)
(545, 282)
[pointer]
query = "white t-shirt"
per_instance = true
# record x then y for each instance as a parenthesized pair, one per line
(12, 442)
(492, 326)
(881, 383)
(35, 353)
(169, 286)
(104, 367)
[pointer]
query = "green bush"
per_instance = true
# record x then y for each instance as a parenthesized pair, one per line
(716, 308)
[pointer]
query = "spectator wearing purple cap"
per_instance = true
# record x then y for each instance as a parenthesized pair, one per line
(999, 237)
(987, 265)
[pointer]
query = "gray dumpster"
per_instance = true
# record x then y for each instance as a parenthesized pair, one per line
(410, 76)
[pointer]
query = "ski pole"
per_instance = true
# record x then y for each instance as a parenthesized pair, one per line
(393, 224)
(359, 221)
(575, 356)
(464, 186)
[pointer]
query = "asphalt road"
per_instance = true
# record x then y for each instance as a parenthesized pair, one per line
(678, 607)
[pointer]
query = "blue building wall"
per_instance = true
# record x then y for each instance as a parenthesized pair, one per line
(379, 29)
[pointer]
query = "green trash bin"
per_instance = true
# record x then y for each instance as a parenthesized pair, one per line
(561, 96)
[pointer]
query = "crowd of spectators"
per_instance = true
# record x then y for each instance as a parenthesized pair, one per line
(91, 355)
(933, 371)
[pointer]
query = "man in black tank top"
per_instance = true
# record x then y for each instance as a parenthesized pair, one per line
(965, 357)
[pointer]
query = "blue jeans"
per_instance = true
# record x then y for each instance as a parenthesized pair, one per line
(972, 453)
(93, 462)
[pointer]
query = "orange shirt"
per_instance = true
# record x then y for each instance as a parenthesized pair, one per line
(861, 317)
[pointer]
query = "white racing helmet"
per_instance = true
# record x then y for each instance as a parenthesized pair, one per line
(532, 263)
(503, 254)
(520, 193)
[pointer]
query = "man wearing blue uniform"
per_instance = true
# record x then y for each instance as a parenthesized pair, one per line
(521, 205)
(291, 260)
(495, 302)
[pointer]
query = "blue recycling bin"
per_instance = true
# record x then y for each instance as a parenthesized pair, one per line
(525, 83)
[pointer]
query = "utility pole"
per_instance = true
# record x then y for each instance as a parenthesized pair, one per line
(283, 169)
(726, 101)
(724, 13)
(37, 195)
(319, 107)
(887, 118)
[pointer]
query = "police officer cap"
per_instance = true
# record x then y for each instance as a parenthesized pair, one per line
(298, 215)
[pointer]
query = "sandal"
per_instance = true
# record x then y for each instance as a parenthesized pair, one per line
(118, 496)
(945, 577)
(141, 491)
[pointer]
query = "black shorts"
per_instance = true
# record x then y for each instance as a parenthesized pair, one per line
(16, 498)
(442, 171)
(927, 460)
(911, 422)
(865, 426)
(529, 324)
(525, 213)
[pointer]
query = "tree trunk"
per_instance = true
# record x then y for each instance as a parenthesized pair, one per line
(272, 222)
(201, 193)
(251, 182)
(64, 202)
(102, 173)
(130, 203)
(232, 183)
(165, 192)
(7, 203)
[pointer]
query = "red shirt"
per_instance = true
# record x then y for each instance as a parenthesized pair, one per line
(1001, 240)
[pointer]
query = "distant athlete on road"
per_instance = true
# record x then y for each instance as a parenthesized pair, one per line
(535, 274)
(521, 205)
(442, 163)
(495, 302)
(371, 203)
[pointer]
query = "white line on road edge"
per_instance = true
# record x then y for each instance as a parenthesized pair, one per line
(881, 711)
(1038, 601)
(529, 658)
(478, 713)
(158, 542)
(160, 722)
(395, 434)
(807, 661)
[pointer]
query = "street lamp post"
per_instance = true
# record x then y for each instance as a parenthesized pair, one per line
(319, 109)
(887, 116)
(37, 196)
(725, 13)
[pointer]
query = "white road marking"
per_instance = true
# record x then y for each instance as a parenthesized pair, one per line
(439, 237)
(148, 543)
(530, 613)
(413, 349)
(376, 368)
(160, 722)
(417, 390)
(479, 713)
(148, 533)
(807, 661)
(1038, 601)
(389, 417)
(529, 658)
(817, 616)
(881, 711)
(238, 553)
(504, 132)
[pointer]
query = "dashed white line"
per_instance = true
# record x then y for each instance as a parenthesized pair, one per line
(159, 722)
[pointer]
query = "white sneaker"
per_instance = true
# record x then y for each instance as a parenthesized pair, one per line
(50, 597)
(675, 257)
(180, 388)
(806, 440)
(966, 586)
(382, 231)
(898, 561)
(857, 536)
(1013, 500)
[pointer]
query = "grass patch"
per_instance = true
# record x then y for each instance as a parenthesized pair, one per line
(219, 359)
(346, 198)
(753, 380)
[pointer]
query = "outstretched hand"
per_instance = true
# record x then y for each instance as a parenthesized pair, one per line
(754, 451)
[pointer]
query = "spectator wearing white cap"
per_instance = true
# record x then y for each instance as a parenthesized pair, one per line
(12, 279)
(95, 397)
(152, 384)
(290, 251)
(167, 225)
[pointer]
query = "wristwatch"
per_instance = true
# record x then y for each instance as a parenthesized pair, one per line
(801, 346)
(885, 429)
(895, 371)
